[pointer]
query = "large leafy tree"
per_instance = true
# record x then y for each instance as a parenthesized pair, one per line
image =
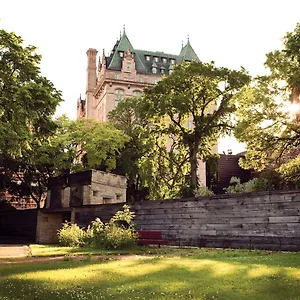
(193, 106)
(74, 146)
(153, 169)
(27, 99)
(268, 113)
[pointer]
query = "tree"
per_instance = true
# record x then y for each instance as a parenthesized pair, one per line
(194, 106)
(152, 170)
(75, 146)
(126, 117)
(27, 99)
(268, 113)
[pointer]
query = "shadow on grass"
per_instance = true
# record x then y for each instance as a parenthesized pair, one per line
(158, 278)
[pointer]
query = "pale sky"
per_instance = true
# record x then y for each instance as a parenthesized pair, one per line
(232, 33)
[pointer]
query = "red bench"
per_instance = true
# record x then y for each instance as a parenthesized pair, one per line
(147, 237)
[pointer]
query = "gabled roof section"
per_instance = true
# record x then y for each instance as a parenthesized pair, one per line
(188, 54)
(145, 59)
(122, 45)
(144, 66)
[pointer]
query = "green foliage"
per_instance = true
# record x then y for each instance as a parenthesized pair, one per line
(267, 181)
(174, 124)
(198, 93)
(236, 187)
(118, 238)
(73, 146)
(268, 114)
(204, 191)
(124, 215)
(27, 99)
(113, 235)
(71, 235)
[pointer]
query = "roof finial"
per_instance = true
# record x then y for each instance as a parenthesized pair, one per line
(181, 44)
(124, 29)
(120, 34)
(188, 38)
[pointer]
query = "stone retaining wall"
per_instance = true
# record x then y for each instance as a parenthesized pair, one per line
(261, 220)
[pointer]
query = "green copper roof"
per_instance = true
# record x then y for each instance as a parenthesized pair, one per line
(144, 59)
(188, 54)
(122, 45)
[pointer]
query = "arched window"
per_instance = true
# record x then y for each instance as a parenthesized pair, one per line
(137, 93)
(119, 95)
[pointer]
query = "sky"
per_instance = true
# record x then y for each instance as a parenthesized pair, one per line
(232, 33)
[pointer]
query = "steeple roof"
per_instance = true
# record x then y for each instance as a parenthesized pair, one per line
(187, 53)
(122, 45)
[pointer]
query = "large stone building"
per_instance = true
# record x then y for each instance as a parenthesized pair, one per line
(124, 73)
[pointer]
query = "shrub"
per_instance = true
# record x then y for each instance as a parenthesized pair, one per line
(123, 218)
(237, 187)
(204, 191)
(118, 233)
(71, 235)
(118, 238)
(267, 181)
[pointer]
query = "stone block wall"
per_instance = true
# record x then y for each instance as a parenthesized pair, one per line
(106, 188)
(259, 220)
(47, 226)
(86, 188)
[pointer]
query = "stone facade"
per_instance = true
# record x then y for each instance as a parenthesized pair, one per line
(124, 73)
(47, 226)
(85, 188)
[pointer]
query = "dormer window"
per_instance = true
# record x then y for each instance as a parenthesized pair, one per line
(172, 61)
(147, 58)
(154, 68)
(121, 54)
(162, 71)
(164, 60)
(156, 59)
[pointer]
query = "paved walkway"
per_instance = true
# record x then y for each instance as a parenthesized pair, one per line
(14, 250)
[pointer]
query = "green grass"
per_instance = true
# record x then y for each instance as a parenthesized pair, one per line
(167, 274)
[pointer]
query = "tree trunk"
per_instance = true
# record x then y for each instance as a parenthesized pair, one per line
(194, 166)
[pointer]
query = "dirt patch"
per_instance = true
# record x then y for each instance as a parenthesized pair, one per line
(7, 251)
(15, 260)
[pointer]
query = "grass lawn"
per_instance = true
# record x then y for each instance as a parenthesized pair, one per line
(163, 274)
